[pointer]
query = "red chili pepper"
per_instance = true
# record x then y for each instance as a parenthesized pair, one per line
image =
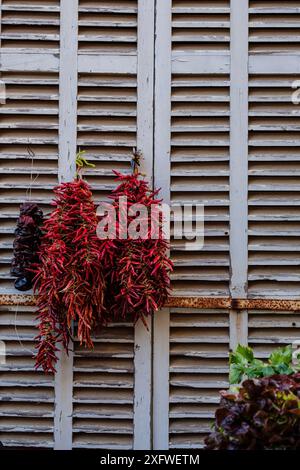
(137, 271)
(69, 279)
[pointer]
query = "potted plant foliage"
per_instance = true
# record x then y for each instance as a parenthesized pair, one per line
(261, 410)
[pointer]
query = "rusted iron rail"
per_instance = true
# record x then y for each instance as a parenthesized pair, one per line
(189, 302)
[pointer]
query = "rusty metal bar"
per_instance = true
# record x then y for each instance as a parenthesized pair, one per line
(17, 299)
(279, 305)
(235, 304)
(199, 302)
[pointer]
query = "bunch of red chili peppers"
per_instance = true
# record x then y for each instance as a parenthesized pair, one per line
(137, 269)
(84, 280)
(69, 277)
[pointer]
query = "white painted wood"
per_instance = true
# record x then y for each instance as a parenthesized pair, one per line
(162, 150)
(145, 80)
(239, 149)
(39, 62)
(274, 63)
(63, 384)
(68, 89)
(200, 63)
(66, 168)
(238, 321)
(238, 324)
(93, 63)
(161, 364)
(143, 337)
(142, 386)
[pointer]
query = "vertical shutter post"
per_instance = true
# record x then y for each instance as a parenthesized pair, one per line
(239, 167)
(162, 150)
(66, 172)
(143, 337)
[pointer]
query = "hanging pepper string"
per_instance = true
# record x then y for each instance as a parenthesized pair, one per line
(137, 270)
(69, 278)
(81, 278)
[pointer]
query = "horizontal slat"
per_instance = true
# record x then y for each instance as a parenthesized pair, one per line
(39, 62)
(200, 63)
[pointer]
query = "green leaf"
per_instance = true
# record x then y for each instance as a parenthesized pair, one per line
(283, 369)
(267, 370)
(242, 355)
(281, 356)
(245, 352)
(235, 374)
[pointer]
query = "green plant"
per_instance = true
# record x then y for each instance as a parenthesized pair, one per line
(244, 365)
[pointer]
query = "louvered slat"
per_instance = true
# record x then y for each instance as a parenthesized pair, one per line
(28, 25)
(274, 26)
(200, 175)
(103, 391)
(26, 396)
(199, 344)
(273, 188)
(200, 26)
(108, 27)
(106, 126)
(28, 123)
(270, 330)
(28, 120)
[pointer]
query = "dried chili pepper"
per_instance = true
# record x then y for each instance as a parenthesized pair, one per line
(137, 270)
(26, 244)
(69, 279)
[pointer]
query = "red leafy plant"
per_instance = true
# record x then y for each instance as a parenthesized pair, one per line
(69, 278)
(137, 269)
(263, 415)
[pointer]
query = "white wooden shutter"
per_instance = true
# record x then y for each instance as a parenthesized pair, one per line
(28, 118)
(194, 85)
(81, 74)
(230, 131)
(273, 150)
(78, 75)
(111, 403)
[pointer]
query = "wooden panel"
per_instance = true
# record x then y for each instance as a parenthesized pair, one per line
(273, 188)
(201, 26)
(106, 125)
(30, 25)
(28, 125)
(199, 345)
(200, 175)
(274, 26)
(108, 27)
(200, 125)
(103, 390)
(269, 330)
(26, 396)
(273, 212)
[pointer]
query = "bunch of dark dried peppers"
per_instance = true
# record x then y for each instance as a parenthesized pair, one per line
(26, 245)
